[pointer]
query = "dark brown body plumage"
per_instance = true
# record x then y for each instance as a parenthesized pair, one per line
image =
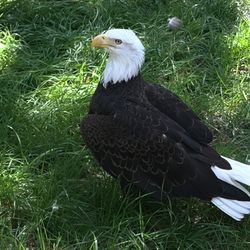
(145, 135)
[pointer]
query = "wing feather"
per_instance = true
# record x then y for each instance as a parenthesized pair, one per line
(146, 158)
(172, 106)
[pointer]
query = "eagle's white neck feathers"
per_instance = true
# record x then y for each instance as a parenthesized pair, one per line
(125, 60)
(122, 67)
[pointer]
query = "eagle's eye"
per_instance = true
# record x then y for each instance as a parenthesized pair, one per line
(118, 41)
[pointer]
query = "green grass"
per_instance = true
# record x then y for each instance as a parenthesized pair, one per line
(53, 195)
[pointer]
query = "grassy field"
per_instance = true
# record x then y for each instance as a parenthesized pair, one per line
(53, 195)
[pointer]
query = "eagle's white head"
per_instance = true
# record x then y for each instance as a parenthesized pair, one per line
(126, 54)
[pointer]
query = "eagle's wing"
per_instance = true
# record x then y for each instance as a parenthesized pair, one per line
(171, 105)
(140, 148)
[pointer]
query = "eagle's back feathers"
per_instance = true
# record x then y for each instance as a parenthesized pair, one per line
(138, 134)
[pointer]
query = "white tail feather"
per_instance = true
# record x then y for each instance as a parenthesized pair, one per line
(235, 209)
(239, 173)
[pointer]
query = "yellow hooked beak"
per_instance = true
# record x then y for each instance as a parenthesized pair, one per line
(100, 41)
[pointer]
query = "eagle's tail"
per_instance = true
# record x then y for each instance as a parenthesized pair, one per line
(239, 173)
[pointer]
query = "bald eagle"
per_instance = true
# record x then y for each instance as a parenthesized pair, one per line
(144, 135)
